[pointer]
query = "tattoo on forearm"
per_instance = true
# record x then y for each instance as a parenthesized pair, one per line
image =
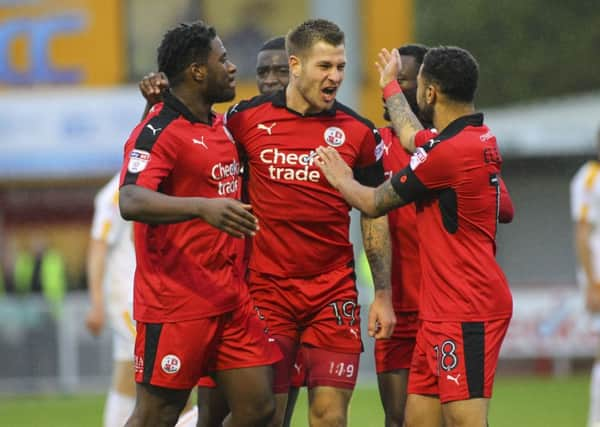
(401, 114)
(376, 241)
(386, 197)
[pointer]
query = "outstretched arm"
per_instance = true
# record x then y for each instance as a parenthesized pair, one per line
(372, 202)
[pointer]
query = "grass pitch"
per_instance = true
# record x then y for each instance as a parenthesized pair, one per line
(517, 402)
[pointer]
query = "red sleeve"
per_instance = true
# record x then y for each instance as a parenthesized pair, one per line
(370, 148)
(147, 164)
(428, 170)
(233, 122)
(423, 136)
(506, 210)
(368, 169)
(433, 167)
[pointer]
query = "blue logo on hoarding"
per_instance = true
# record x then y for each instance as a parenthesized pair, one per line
(40, 32)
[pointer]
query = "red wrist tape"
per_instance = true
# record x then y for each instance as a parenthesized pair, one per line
(392, 88)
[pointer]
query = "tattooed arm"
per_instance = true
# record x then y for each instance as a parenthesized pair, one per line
(377, 244)
(404, 121)
(372, 202)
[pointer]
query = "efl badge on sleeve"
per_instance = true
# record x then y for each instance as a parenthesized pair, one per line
(138, 160)
(419, 156)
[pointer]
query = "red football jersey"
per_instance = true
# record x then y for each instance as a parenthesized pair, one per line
(186, 270)
(406, 267)
(304, 222)
(454, 178)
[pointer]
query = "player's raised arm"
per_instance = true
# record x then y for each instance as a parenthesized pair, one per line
(151, 87)
(229, 215)
(372, 202)
(405, 123)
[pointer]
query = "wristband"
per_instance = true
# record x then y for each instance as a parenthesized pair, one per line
(391, 89)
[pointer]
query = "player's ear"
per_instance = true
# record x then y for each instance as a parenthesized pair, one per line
(431, 94)
(198, 71)
(295, 64)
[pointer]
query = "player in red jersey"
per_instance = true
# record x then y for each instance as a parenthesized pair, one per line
(465, 303)
(301, 273)
(180, 182)
(393, 356)
(272, 75)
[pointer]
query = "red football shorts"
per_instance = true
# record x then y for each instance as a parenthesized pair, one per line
(207, 382)
(176, 355)
(396, 351)
(456, 360)
(298, 378)
(318, 312)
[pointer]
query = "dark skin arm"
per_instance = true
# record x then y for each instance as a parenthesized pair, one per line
(143, 205)
(151, 88)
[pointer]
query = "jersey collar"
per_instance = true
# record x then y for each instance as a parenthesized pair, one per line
(279, 102)
(462, 122)
(175, 104)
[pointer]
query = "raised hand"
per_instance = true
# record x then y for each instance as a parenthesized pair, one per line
(388, 65)
(152, 86)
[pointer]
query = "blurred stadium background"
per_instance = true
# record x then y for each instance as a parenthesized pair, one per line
(68, 96)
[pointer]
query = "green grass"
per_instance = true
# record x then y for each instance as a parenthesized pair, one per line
(51, 411)
(517, 402)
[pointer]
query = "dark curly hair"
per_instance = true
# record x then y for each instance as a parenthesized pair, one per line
(305, 35)
(454, 70)
(183, 45)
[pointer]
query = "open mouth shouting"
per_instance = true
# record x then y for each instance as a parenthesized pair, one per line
(328, 93)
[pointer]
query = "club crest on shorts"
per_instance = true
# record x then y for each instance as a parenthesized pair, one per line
(170, 364)
(138, 160)
(334, 136)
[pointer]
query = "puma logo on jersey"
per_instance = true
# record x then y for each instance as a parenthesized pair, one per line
(149, 126)
(386, 148)
(353, 332)
(268, 129)
(451, 378)
(298, 368)
(200, 142)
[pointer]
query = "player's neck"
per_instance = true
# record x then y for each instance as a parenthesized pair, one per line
(197, 105)
(448, 112)
(296, 102)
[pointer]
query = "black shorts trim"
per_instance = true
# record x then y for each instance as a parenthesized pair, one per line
(153, 331)
(474, 351)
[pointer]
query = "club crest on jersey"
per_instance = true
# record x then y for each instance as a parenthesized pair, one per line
(138, 160)
(419, 156)
(334, 136)
(170, 364)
